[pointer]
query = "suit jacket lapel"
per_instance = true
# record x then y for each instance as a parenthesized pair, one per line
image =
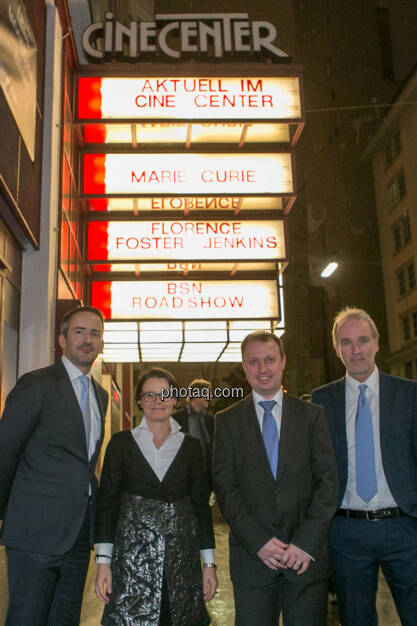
(287, 435)
(102, 410)
(387, 426)
(337, 425)
(254, 435)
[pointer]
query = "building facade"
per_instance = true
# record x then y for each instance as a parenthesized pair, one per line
(354, 63)
(393, 153)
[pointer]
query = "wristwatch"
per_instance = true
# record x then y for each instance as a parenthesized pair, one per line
(213, 565)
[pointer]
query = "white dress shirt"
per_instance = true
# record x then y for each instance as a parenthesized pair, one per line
(383, 498)
(160, 460)
(74, 373)
(276, 410)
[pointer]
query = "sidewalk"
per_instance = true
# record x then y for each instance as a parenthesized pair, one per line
(221, 607)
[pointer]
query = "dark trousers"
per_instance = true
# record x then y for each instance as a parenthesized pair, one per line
(47, 590)
(359, 547)
(301, 605)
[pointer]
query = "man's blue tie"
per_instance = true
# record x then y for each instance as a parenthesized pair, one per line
(270, 434)
(366, 485)
(85, 406)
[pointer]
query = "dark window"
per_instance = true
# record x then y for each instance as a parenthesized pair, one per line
(401, 184)
(406, 278)
(409, 369)
(401, 232)
(397, 237)
(406, 328)
(414, 315)
(396, 189)
(405, 228)
(401, 281)
(396, 142)
(411, 275)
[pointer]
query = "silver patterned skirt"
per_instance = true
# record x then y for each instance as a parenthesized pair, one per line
(155, 540)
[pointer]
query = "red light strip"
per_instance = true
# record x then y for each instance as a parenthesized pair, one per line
(94, 172)
(89, 98)
(98, 240)
(101, 297)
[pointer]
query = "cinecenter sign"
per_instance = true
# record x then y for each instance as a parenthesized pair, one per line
(211, 34)
(187, 174)
(193, 98)
(168, 240)
(164, 300)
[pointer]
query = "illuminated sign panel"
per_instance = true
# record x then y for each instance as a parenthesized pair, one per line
(164, 300)
(186, 204)
(185, 174)
(185, 268)
(188, 240)
(190, 98)
(180, 133)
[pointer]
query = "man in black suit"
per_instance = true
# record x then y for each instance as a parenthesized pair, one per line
(373, 423)
(274, 477)
(195, 420)
(50, 437)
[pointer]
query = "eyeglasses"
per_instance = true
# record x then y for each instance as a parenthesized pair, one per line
(150, 396)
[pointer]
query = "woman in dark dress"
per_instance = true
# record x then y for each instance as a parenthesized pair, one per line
(154, 521)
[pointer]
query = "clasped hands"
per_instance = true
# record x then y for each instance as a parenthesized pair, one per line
(279, 555)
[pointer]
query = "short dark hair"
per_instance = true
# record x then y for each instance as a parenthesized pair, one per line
(264, 336)
(155, 372)
(65, 322)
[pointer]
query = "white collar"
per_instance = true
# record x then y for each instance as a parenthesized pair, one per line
(372, 381)
(72, 370)
(174, 426)
(277, 397)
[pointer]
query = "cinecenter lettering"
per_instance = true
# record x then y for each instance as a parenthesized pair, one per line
(213, 35)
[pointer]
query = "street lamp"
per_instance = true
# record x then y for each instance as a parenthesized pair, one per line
(329, 269)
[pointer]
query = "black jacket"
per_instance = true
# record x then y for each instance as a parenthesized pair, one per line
(44, 468)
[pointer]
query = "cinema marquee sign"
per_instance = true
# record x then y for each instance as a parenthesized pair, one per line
(141, 98)
(212, 34)
(188, 240)
(165, 300)
(187, 174)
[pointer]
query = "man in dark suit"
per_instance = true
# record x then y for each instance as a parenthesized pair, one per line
(195, 420)
(50, 437)
(274, 477)
(373, 423)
